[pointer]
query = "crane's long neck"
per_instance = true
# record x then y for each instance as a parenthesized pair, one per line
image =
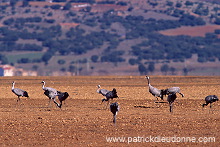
(43, 85)
(99, 88)
(13, 85)
(148, 79)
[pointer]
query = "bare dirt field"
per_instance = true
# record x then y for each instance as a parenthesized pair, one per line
(191, 31)
(83, 121)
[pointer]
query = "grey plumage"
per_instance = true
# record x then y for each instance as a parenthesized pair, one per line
(171, 98)
(154, 91)
(172, 90)
(114, 108)
(210, 99)
(101, 91)
(51, 93)
(19, 92)
(110, 95)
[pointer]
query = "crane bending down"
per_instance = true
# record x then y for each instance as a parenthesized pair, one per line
(51, 93)
(101, 91)
(110, 95)
(172, 90)
(210, 99)
(171, 98)
(154, 91)
(114, 108)
(18, 92)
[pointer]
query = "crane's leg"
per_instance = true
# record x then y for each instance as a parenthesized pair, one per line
(156, 102)
(156, 99)
(181, 94)
(18, 99)
(49, 105)
(58, 105)
(107, 104)
(114, 119)
(171, 107)
(204, 105)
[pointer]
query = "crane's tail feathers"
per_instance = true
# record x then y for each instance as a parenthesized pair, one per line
(26, 94)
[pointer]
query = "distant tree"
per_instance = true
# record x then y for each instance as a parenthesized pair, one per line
(24, 60)
(142, 69)
(151, 66)
(164, 69)
(49, 20)
(130, 9)
(94, 58)
(185, 71)
(72, 68)
(35, 67)
(3, 59)
(25, 3)
(122, 3)
(67, 6)
(178, 5)
(50, 14)
(172, 69)
(63, 69)
(46, 57)
(133, 61)
(188, 3)
(55, 7)
(217, 31)
(61, 62)
(8, 21)
(169, 3)
(13, 3)
(217, 21)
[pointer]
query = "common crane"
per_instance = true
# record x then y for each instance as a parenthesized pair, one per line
(51, 93)
(154, 91)
(18, 92)
(110, 95)
(210, 99)
(171, 98)
(114, 108)
(173, 90)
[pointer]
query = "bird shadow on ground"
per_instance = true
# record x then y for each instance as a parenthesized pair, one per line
(142, 107)
(161, 102)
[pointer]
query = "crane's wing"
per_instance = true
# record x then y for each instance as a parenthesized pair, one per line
(19, 92)
(174, 90)
(103, 91)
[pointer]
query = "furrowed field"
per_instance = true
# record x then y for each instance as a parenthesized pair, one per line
(84, 121)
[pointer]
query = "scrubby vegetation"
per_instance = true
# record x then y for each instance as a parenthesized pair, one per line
(96, 31)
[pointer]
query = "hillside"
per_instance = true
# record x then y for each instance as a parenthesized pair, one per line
(68, 37)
